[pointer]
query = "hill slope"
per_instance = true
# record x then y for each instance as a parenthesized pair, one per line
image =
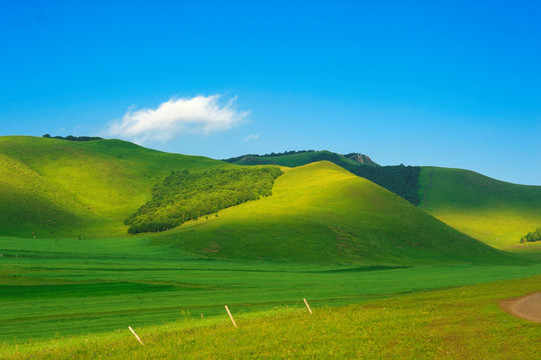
(495, 212)
(323, 213)
(401, 180)
(59, 188)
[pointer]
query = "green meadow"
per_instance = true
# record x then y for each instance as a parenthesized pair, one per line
(54, 290)
(385, 278)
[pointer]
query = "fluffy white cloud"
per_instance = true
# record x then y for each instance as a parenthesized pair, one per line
(251, 137)
(199, 115)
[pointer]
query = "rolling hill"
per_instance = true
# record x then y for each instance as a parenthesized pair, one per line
(59, 188)
(322, 213)
(319, 212)
(495, 212)
(492, 211)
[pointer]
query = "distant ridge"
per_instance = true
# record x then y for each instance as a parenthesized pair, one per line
(298, 158)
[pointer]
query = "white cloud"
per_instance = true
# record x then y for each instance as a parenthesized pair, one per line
(251, 137)
(197, 115)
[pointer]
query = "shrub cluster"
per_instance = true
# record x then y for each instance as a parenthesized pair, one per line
(183, 196)
(531, 237)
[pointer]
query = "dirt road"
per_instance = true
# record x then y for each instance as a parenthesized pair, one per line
(526, 307)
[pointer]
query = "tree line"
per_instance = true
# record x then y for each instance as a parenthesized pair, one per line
(183, 196)
(73, 138)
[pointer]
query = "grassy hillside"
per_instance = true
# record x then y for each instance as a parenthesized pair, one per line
(322, 213)
(51, 187)
(495, 212)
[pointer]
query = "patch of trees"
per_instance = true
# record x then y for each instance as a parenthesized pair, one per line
(183, 196)
(532, 237)
(272, 154)
(74, 138)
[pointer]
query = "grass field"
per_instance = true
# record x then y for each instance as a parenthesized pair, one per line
(65, 299)
(495, 212)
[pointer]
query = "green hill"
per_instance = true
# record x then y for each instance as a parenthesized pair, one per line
(322, 213)
(402, 180)
(492, 211)
(495, 212)
(58, 188)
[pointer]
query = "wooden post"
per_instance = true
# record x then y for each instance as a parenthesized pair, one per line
(201, 315)
(308, 306)
(231, 316)
(134, 334)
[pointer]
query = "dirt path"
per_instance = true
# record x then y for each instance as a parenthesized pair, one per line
(526, 307)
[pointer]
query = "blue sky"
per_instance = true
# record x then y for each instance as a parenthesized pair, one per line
(455, 84)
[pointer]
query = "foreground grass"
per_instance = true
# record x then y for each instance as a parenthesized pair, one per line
(54, 287)
(460, 323)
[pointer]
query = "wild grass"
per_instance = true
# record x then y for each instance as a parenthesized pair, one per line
(459, 323)
(55, 287)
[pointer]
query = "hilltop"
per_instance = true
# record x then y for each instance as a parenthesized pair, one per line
(402, 180)
(302, 157)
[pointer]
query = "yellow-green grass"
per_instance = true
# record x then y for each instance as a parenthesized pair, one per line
(321, 213)
(459, 323)
(51, 187)
(492, 211)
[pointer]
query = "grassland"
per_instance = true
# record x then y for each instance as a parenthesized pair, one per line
(58, 188)
(489, 210)
(53, 288)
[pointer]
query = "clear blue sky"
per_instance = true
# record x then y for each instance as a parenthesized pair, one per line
(455, 84)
